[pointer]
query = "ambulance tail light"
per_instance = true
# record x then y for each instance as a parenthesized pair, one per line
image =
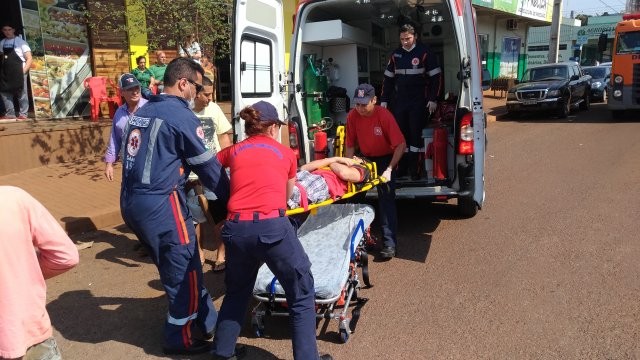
(294, 142)
(465, 143)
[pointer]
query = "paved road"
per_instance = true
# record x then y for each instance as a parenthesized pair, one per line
(547, 270)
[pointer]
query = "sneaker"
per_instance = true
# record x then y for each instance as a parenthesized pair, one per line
(22, 117)
(388, 252)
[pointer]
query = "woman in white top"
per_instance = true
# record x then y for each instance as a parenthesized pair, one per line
(190, 48)
(16, 62)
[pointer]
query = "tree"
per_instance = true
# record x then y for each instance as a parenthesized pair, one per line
(169, 21)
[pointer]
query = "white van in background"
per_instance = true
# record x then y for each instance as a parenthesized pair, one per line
(338, 44)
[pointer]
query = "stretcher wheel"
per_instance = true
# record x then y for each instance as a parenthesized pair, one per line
(355, 315)
(364, 264)
(344, 335)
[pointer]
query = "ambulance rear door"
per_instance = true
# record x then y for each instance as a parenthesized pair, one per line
(474, 82)
(257, 57)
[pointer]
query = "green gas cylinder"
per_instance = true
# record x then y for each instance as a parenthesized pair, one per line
(315, 85)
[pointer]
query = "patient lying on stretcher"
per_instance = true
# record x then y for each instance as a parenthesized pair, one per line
(325, 179)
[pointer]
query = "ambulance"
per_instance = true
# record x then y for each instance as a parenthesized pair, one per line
(336, 45)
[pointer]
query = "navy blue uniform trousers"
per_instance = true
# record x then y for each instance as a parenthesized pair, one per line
(273, 241)
(158, 222)
(387, 202)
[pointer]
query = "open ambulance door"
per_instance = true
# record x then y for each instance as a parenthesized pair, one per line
(257, 57)
(475, 84)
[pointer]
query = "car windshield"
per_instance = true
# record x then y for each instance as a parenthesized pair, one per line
(545, 73)
(596, 72)
(628, 43)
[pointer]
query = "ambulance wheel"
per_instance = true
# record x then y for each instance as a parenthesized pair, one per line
(344, 336)
(467, 207)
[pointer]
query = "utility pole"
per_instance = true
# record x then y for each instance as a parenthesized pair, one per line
(554, 40)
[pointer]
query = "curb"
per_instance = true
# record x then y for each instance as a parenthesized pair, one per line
(80, 225)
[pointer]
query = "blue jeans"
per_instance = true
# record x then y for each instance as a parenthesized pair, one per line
(23, 100)
(387, 202)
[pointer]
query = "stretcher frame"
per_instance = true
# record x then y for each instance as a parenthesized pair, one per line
(331, 308)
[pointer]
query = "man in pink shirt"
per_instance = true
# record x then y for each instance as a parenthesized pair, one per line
(33, 247)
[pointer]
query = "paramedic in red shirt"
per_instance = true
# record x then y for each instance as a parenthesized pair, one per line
(257, 231)
(373, 130)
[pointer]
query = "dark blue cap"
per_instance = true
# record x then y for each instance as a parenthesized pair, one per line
(266, 112)
(128, 81)
(363, 94)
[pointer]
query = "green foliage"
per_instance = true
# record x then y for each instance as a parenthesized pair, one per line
(169, 21)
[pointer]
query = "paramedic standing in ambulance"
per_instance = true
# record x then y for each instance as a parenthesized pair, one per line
(373, 130)
(162, 143)
(411, 87)
(257, 231)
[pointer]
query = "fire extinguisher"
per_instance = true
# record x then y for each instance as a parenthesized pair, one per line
(320, 144)
(440, 142)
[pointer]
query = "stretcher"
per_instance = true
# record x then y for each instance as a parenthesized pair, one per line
(333, 237)
(352, 188)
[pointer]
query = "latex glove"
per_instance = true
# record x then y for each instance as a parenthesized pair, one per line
(431, 105)
(386, 175)
(383, 104)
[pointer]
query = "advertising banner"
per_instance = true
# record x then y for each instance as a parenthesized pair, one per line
(594, 31)
(510, 56)
(57, 34)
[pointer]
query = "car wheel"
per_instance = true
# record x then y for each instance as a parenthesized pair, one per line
(586, 102)
(565, 108)
(467, 207)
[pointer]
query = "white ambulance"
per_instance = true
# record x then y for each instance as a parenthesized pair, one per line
(336, 45)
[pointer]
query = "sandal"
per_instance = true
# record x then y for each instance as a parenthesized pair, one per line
(219, 266)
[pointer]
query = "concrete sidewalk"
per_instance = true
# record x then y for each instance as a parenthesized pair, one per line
(80, 197)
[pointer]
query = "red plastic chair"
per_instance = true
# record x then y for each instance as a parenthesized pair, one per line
(97, 86)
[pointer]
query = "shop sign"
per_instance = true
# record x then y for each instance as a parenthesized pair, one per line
(582, 39)
(535, 9)
(594, 31)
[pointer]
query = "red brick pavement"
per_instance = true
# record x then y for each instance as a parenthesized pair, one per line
(80, 197)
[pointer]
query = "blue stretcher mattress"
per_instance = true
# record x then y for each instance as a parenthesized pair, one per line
(326, 238)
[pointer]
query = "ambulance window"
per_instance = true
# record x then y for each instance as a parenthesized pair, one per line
(255, 72)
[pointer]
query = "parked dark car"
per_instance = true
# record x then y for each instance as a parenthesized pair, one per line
(556, 88)
(599, 81)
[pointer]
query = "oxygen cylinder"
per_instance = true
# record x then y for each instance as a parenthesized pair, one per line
(439, 155)
(320, 144)
(315, 84)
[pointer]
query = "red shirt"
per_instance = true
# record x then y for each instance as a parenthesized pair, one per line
(375, 135)
(260, 167)
(336, 186)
